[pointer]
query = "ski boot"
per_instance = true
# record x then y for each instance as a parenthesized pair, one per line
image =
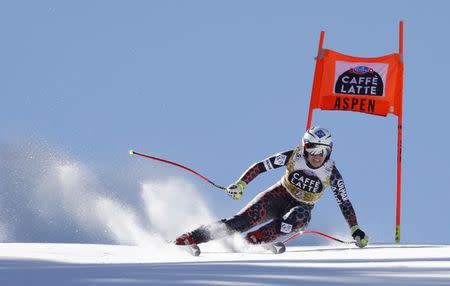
(188, 241)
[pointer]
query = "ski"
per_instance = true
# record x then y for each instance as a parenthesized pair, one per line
(277, 247)
(192, 249)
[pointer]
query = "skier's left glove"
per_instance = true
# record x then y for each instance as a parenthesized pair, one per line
(361, 239)
(236, 190)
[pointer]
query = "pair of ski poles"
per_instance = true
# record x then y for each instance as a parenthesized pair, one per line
(132, 152)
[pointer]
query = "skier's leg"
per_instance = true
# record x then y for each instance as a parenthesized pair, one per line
(262, 208)
(254, 213)
(295, 219)
(267, 205)
(202, 234)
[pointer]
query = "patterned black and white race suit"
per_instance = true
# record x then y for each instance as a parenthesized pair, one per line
(286, 206)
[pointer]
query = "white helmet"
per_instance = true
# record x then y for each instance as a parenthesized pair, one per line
(317, 141)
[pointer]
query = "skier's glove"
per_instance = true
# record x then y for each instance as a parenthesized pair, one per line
(361, 239)
(236, 190)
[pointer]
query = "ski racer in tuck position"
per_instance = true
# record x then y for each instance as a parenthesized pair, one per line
(288, 203)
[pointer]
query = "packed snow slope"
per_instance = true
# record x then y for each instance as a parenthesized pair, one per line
(65, 223)
(96, 264)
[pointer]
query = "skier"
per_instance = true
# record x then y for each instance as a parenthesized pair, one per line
(288, 203)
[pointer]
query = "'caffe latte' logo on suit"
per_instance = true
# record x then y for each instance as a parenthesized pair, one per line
(306, 181)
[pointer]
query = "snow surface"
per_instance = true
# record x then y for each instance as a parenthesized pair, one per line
(99, 264)
(47, 197)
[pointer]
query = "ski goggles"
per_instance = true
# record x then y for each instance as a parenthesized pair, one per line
(317, 148)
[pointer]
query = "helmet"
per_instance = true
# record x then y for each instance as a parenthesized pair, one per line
(317, 140)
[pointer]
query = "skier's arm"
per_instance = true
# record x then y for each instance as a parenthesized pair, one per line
(276, 161)
(340, 194)
(235, 190)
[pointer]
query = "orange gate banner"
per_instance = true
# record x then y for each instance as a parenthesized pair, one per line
(368, 85)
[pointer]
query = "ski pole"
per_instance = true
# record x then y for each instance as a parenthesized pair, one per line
(177, 165)
(318, 233)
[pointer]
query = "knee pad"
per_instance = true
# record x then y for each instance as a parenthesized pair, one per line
(297, 218)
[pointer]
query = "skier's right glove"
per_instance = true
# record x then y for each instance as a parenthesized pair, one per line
(236, 190)
(361, 239)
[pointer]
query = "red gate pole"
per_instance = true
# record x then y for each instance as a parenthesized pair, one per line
(399, 145)
(314, 87)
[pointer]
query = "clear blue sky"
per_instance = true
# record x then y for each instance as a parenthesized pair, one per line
(218, 85)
